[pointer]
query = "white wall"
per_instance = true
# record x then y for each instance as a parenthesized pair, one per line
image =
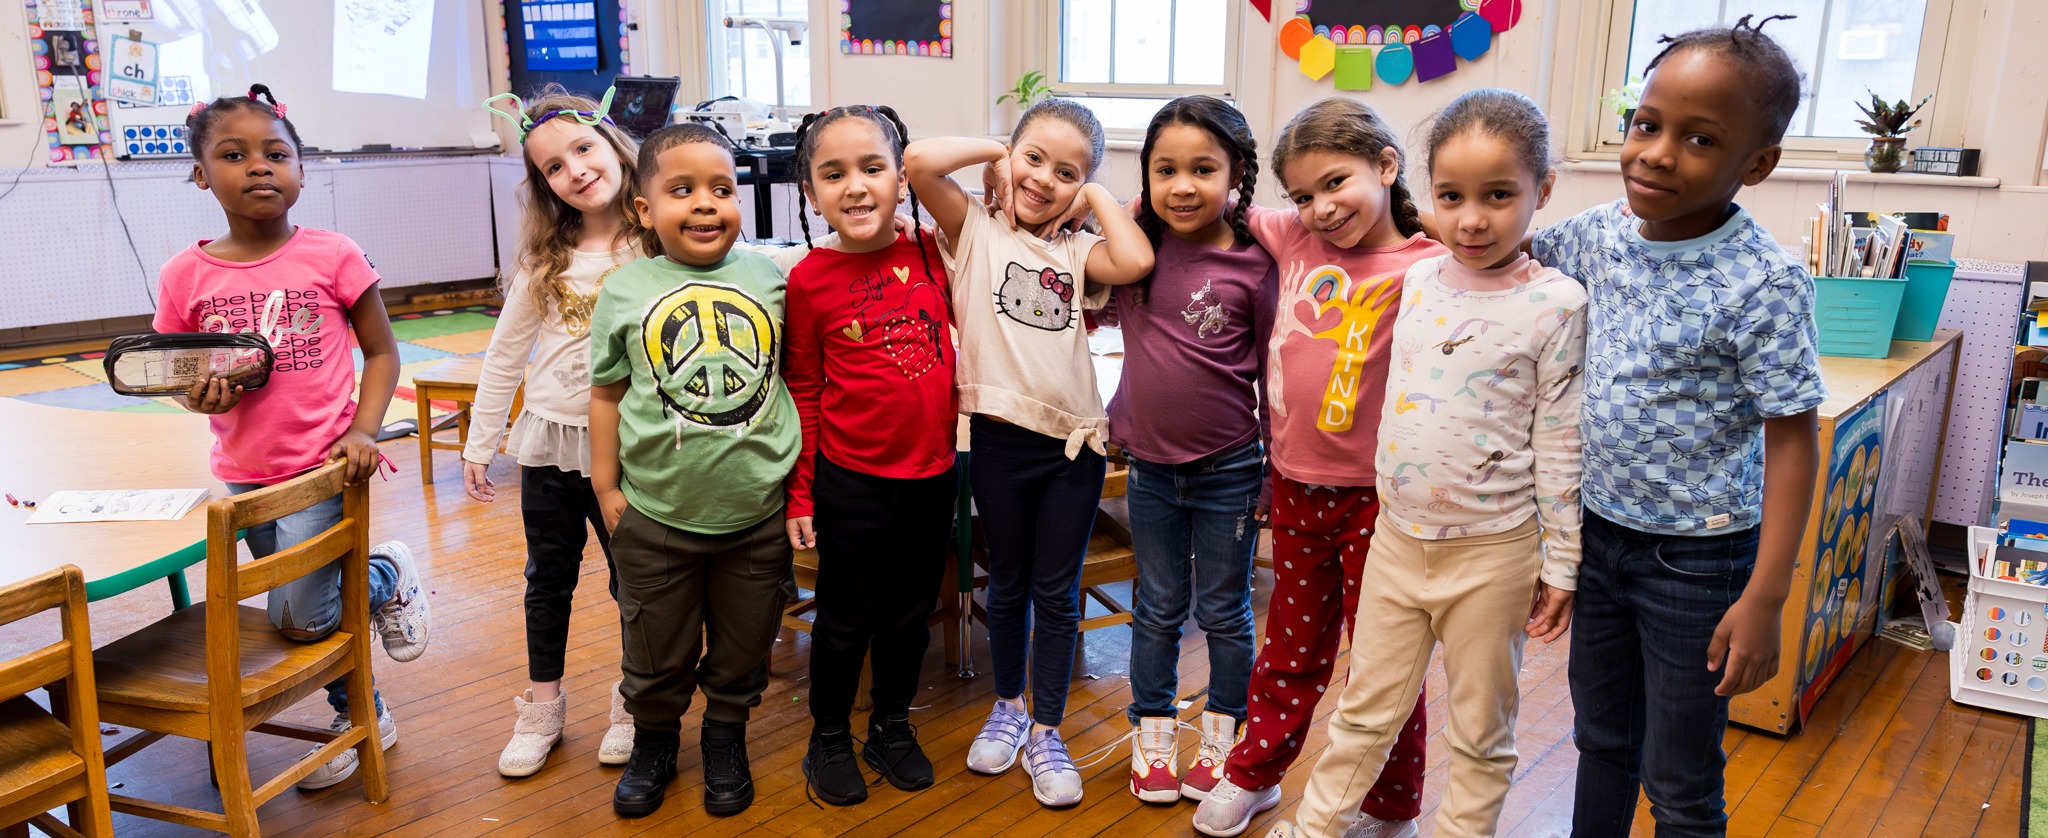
(1996, 42)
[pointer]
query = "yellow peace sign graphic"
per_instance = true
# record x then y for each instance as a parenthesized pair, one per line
(712, 350)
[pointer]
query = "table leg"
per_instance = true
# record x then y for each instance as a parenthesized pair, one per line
(426, 434)
(181, 596)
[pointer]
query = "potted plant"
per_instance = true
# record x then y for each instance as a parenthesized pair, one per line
(1029, 88)
(1622, 100)
(1887, 124)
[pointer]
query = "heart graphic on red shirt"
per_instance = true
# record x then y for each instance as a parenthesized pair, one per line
(913, 344)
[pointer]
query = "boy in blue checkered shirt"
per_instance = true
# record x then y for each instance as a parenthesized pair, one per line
(1701, 335)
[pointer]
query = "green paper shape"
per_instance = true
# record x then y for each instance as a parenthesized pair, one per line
(1354, 68)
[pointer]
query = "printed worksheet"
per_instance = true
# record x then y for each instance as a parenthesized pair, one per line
(81, 506)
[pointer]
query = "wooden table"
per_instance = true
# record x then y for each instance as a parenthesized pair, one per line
(53, 448)
(453, 380)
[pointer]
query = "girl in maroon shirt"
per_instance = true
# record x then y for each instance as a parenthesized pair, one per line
(869, 360)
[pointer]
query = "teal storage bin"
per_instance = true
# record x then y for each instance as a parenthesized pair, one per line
(1926, 292)
(1857, 316)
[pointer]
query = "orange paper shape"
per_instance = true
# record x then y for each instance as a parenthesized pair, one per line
(1293, 34)
(1318, 57)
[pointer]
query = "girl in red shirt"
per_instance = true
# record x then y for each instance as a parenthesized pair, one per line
(869, 360)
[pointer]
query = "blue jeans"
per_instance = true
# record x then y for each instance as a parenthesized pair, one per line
(1194, 519)
(1647, 716)
(1037, 510)
(309, 607)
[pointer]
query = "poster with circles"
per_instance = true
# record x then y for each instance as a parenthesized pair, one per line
(1839, 572)
(66, 56)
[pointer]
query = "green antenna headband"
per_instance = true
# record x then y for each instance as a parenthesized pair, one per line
(526, 126)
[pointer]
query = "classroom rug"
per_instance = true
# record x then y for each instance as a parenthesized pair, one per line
(2034, 783)
(424, 338)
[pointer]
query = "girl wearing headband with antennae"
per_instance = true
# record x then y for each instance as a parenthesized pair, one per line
(869, 362)
(309, 292)
(579, 227)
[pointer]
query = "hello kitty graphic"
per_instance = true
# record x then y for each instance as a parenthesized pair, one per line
(1042, 299)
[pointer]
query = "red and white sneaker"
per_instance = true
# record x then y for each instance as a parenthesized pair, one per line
(1154, 750)
(1219, 734)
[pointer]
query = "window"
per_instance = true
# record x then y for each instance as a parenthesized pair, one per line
(1842, 47)
(742, 61)
(1128, 57)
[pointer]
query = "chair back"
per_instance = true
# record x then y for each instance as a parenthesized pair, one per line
(229, 580)
(68, 660)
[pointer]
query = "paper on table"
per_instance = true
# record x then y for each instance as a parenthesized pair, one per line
(72, 507)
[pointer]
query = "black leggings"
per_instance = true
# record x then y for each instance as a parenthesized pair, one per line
(881, 553)
(555, 505)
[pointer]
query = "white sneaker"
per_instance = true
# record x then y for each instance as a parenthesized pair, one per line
(1229, 809)
(343, 765)
(1218, 734)
(1368, 826)
(1155, 749)
(1054, 779)
(404, 622)
(995, 748)
(618, 739)
(535, 733)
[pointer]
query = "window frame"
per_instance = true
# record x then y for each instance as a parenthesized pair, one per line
(715, 53)
(1596, 134)
(1052, 58)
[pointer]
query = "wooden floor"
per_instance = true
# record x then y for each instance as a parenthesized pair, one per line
(1885, 752)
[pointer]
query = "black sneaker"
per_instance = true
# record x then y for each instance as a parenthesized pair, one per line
(645, 783)
(830, 768)
(893, 752)
(728, 779)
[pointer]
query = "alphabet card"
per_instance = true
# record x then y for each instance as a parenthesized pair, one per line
(132, 78)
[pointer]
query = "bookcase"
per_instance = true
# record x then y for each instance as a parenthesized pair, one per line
(1881, 434)
(2022, 490)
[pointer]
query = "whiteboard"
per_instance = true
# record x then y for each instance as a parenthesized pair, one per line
(323, 58)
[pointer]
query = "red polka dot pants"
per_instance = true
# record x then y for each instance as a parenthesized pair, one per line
(1320, 536)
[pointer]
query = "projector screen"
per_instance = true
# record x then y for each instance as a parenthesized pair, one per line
(353, 73)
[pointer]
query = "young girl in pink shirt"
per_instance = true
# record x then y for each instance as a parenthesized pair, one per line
(308, 292)
(1342, 254)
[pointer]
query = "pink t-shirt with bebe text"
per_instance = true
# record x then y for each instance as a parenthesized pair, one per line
(298, 298)
(1333, 332)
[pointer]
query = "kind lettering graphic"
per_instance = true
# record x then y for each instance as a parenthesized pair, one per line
(1348, 317)
(713, 353)
(1042, 299)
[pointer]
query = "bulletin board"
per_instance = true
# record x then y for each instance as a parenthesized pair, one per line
(1392, 40)
(896, 27)
(67, 63)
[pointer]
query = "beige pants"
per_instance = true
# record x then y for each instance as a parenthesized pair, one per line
(1471, 594)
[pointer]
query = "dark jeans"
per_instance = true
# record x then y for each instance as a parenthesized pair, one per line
(555, 504)
(1037, 510)
(697, 611)
(1194, 519)
(1647, 716)
(881, 551)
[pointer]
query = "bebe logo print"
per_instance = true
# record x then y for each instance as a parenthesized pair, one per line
(1042, 299)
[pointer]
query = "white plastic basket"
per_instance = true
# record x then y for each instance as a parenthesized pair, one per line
(2000, 659)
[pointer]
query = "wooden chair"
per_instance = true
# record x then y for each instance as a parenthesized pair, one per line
(454, 380)
(44, 762)
(801, 612)
(218, 669)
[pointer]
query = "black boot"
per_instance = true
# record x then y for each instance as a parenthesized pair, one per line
(728, 779)
(893, 752)
(645, 783)
(830, 768)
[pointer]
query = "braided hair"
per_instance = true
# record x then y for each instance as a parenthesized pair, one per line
(1228, 127)
(200, 122)
(1347, 126)
(894, 134)
(1769, 68)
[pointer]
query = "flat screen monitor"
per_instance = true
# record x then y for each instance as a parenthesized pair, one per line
(641, 104)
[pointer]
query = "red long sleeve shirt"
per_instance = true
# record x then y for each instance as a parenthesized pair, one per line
(869, 360)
